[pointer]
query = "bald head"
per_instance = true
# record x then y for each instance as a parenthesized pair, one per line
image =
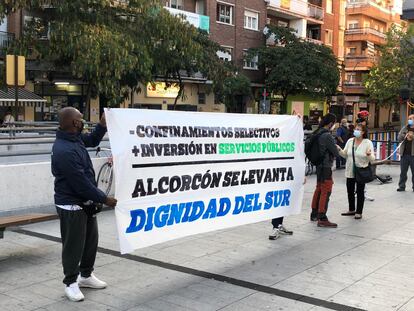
(69, 117)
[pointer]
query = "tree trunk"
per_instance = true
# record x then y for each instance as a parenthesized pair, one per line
(389, 113)
(180, 91)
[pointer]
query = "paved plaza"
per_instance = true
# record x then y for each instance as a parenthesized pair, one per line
(361, 265)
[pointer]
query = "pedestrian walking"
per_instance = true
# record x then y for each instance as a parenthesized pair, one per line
(406, 137)
(327, 151)
(358, 152)
(9, 123)
(77, 200)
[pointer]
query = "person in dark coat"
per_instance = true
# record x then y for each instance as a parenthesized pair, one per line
(77, 200)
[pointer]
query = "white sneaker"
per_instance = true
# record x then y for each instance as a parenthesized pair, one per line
(283, 230)
(73, 292)
(91, 282)
(275, 234)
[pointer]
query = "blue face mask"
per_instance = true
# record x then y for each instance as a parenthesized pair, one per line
(410, 122)
(357, 133)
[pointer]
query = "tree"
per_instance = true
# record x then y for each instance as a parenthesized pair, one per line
(233, 89)
(114, 45)
(385, 80)
(293, 66)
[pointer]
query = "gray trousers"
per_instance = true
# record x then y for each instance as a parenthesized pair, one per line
(406, 162)
(80, 243)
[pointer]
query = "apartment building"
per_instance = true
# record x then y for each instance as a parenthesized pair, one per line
(317, 21)
(367, 22)
(237, 25)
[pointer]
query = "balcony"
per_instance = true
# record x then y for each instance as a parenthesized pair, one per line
(314, 41)
(6, 38)
(356, 87)
(365, 34)
(372, 9)
(359, 62)
(315, 12)
(294, 9)
(197, 20)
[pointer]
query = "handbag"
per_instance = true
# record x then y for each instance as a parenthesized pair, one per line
(363, 175)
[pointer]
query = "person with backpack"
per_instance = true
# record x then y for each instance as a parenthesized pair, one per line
(321, 150)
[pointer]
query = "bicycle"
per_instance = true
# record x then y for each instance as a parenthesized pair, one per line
(105, 176)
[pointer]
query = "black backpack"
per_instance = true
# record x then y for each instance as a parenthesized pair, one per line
(312, 149)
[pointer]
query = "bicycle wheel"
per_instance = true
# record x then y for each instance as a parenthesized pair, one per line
(104, 179)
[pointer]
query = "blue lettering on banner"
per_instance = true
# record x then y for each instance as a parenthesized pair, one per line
(172, 214)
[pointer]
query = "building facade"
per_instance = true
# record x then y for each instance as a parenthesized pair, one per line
(237, 25)
(317, 21)
(367, 22)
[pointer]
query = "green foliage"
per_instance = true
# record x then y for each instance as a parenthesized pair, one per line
(386, 79)
(293, 66)
(113, 45)
(233, 88)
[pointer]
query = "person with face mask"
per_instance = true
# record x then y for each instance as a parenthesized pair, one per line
(76, 199)
(362, 149)
(327, 149)
(406, 137)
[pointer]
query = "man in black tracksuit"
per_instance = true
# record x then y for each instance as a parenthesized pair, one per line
(76, 196)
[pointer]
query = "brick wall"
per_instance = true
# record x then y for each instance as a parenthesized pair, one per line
(236, 36)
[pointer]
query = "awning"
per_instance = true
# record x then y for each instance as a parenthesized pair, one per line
(25, 98)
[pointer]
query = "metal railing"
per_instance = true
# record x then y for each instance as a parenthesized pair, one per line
(366, 3)
(32, 139)
(354, 84)
(314, 41)
(315, 11)
(365, 31)
(31, 132)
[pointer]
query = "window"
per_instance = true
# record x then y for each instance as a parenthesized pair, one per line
(351, 77)
(251, 20)
(283, 24)
(225, 55)
(329, 8)
(201, 98)
(353, 25)
(328, 37)
(367, 24)
(225, 13)
(250, 63)
(352, 50)
(176, 4)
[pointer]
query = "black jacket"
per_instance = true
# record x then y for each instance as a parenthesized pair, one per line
(327, 147)
(72, 168)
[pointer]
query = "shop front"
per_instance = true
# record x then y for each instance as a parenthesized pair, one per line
(23, 110)
(59, 95)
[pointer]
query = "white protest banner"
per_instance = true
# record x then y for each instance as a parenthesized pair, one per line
(183, 173)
